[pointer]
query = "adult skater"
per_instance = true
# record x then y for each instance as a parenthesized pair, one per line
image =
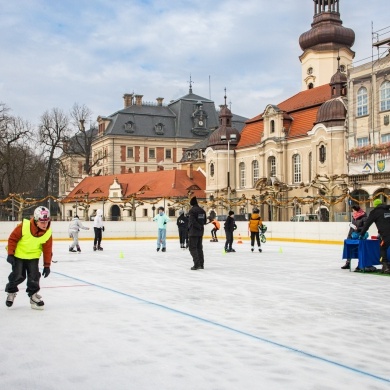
(230, 226)
(381, 216)
(74, 228)
(26, 243)
(197, 220)
(98, 228)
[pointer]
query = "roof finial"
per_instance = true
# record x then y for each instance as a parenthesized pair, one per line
(225, 97)
(338, 60)
(190, 82)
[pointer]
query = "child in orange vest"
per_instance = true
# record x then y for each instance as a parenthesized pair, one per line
(214, 230)
(255, 223)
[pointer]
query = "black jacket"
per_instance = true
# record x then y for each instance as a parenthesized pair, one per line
(196, 222)
(230, 224)
(182, 222)
(381, 216)
(359, 223)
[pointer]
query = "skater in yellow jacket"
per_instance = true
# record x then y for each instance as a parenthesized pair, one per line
(255, 223)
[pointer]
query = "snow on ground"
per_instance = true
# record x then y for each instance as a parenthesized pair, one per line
(131, 318)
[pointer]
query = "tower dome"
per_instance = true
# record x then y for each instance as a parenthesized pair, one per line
(332, 113)
(327, 32)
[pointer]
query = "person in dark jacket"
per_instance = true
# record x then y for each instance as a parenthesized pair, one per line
(196, 222)
(182, 224)
(381, 216)
(359, 217)
(230, 226)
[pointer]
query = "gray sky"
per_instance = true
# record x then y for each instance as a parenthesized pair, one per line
(57, 53)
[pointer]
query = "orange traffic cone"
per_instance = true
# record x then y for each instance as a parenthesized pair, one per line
(239, 239)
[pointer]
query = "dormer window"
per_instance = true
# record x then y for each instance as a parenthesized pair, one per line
(272, 126)
(159, 129)
(129, 127)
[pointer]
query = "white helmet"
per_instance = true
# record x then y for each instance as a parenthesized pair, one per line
(41, 213)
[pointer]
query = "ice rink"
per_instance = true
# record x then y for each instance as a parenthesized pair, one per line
(131, 318)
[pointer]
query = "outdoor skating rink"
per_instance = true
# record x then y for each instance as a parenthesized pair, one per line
(133, 318)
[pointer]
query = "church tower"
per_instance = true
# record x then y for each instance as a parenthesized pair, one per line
(323, 44)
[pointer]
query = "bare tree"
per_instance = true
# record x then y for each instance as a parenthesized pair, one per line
(53, 129)
(81, 143)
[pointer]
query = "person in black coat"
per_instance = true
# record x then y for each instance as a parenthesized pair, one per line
(359, 217)
(196, 222)
(381, 216)
(182, 224)
(230, 226)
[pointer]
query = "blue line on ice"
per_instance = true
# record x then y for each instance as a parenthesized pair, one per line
(307, 354)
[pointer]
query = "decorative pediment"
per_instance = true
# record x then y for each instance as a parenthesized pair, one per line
(145, 188)
(97, 191)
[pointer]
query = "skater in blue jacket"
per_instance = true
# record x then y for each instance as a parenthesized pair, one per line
(162, 221)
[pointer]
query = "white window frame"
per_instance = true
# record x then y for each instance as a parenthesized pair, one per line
(242, 175)
(384, 93)
(362, 102)
(297, 169)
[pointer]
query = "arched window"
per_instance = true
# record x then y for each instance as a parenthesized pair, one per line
(384, 93)
(242, 175)
(297, 173)
(322, 153)
(272, 126)
(362, 102)
(272, 166)
(255, 171)
(212, 169)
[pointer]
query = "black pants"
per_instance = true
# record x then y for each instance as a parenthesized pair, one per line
(183, 236)
(98, 236)
(196, 250)
(257, 236)
(229, 239)
(214, 233)
(20, 270)
(385, 243)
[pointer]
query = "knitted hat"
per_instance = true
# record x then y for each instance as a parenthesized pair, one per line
(377, 202)
(193, 201)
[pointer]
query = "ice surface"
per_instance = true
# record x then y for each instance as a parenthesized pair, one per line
(133, 318)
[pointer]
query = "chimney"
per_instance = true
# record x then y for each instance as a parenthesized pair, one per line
(128, 99)
(160, 101)
(138, 100)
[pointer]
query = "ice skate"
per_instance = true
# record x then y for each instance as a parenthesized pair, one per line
(78, 249)
(260, 250)
(10, 299)
(71, 249)
(99, 248)
(36, 302)
(252, 249)
(94, 248)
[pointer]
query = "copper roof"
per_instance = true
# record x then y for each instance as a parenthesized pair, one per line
(302, 108)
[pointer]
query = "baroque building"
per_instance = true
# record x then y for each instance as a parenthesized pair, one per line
(278, 158)
(145, 137)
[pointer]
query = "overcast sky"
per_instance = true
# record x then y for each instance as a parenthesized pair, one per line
(57, 53)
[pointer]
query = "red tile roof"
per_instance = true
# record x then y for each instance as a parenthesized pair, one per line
(172, 183)
(302, 108)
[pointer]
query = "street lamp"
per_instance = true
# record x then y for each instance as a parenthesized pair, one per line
(232, 137)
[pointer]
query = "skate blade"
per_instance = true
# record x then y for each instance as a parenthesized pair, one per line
(36, 307)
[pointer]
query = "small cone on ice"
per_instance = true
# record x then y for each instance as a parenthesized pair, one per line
(280, 250)
(239, 239)
(121, 255)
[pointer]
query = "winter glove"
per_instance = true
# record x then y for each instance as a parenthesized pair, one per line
(165, 222)
(11, 259)
(46, 272)
(360, 238)
(103, 228)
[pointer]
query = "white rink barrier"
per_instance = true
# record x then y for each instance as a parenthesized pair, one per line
(321, 232)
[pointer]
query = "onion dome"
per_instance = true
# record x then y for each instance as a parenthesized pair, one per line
(327, 32)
